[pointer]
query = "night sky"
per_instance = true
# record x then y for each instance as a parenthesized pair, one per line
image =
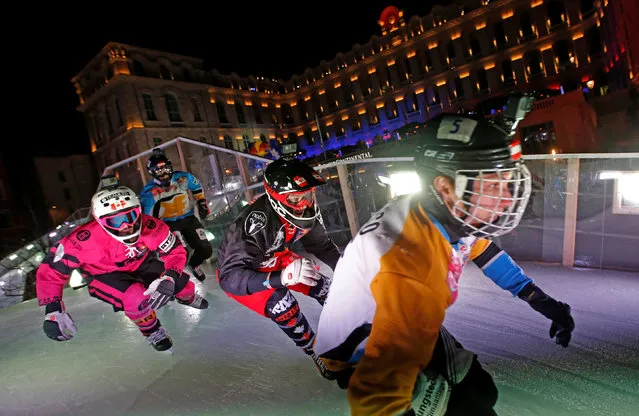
(275, 39)
(50, 44)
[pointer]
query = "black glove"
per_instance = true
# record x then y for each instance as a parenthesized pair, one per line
(58, 325)
(203, 208)
(558, 312)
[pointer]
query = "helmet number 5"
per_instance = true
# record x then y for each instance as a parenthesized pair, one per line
(457, 124)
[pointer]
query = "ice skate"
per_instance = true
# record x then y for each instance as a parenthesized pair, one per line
(160, 340)
(197, 272)
(198, 302)
(321, 367)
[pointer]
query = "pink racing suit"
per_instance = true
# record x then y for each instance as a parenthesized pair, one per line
(118, 273)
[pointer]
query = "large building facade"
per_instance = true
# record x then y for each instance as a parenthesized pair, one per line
(67, 182)
(455, 57)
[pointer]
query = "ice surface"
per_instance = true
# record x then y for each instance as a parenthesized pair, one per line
(230, 361)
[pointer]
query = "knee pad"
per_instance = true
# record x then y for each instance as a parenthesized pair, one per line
(134, 301)
(137, 309)
(283, 309)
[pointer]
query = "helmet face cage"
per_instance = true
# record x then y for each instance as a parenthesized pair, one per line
(501, 193)
(119, 213)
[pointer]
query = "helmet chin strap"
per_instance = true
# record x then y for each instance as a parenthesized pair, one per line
(128, 241)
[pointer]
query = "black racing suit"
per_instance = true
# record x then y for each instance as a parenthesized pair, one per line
(254, 242)
(255, 249)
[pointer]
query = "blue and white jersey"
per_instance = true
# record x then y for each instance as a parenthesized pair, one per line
(172, 202)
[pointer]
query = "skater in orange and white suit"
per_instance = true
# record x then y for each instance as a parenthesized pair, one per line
(381, 329)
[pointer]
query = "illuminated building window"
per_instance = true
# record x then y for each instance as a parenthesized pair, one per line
(482, 80)
(501, 40)
(391, 110)
(221, 112)
(257, 113)
(347, 88)
(246, 140)
(556, 13)
(228, 141)
(507, 72)
(148, 107)
(239, 110)
(533, 63)
(308, 135)
(475, 48)
(172, 108)
(302, 110)
(365, 84)
(412, 105)
(287, 114)
(356, 124)
(450, 54)
(196, 110)
(526, 30)
(432, 97)
(563, 52)
(456, 89)
(373, 117)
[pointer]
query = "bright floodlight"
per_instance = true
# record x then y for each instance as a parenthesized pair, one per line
(404, 183)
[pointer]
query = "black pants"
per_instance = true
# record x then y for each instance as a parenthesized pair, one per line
(473, 391)
(193, 233)
(475, 395)
(113, 287)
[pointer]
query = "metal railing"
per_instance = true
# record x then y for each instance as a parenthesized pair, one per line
(579, 214)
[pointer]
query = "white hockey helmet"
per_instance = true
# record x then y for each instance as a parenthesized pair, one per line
(118, 211)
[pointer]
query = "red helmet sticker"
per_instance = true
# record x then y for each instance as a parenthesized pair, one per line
(515, 150)
(300, 181)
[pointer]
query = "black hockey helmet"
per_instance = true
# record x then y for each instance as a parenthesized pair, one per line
(290, 188)
(160, 167)
(476, 154)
